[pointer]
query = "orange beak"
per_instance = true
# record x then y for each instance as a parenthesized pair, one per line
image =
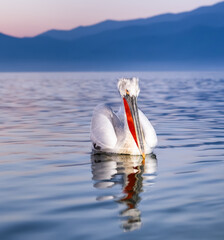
(131, 109)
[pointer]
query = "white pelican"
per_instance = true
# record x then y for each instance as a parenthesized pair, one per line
(127, 132)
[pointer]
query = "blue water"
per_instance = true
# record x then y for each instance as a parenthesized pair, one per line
(51, 187)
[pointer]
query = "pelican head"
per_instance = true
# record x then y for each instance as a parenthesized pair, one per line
(129, 85)
(129, 90)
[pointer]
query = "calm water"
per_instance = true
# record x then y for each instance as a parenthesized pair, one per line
(52, 188)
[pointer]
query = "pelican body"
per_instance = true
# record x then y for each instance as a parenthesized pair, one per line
(126, 132)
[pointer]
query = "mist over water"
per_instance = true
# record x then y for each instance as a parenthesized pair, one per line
(51, 187)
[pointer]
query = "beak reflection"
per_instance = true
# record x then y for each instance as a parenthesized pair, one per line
(128, 171)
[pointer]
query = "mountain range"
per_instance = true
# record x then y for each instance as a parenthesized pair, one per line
(188, 39)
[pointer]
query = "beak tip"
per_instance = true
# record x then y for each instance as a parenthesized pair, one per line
(143, 161)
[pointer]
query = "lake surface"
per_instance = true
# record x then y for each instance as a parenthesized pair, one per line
(51, 187)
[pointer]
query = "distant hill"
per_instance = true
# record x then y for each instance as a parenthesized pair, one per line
(194, 37)
(210, 15)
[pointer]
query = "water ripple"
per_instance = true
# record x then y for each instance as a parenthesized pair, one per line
(53, 188)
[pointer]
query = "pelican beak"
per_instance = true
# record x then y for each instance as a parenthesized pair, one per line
(131, 109)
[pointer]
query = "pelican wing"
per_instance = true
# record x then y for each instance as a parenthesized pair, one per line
(148, 130)
(103, 133)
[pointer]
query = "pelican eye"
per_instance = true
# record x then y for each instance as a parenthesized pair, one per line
(127, 92)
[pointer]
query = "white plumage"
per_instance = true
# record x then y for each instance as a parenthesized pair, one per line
(120, 132)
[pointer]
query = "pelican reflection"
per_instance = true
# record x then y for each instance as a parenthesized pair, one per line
(129, 172)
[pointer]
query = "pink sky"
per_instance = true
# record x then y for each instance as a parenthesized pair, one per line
(31, 17)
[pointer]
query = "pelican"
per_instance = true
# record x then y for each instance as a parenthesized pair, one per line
(126, 132)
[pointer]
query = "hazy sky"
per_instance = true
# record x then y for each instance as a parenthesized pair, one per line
(31, 17)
